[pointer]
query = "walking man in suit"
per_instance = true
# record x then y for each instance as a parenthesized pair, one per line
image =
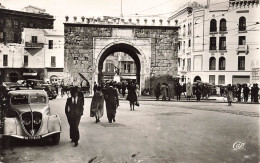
(112, 102)
(74, 110)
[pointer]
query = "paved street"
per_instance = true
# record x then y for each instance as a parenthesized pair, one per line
(156, 131)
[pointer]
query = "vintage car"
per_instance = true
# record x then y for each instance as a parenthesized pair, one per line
(28, 116)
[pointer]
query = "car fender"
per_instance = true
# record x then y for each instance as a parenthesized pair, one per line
(54, 123)
(12, 126)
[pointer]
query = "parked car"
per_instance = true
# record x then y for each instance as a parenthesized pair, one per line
(28, 116)
(51, 90)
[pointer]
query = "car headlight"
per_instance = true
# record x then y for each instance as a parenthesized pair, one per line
(37, 120)
(27, 121)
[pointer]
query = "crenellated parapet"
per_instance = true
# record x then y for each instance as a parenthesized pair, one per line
(243, 3)
(107, 20)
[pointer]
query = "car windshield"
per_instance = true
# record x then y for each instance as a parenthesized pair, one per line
(37, 98)
(19, 99)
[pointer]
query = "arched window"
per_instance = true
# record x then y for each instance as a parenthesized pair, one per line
(242, 23)
(222, 63)
(184, 30)
(213, 25)
(189, 29)
(223, 25)
(212, 63)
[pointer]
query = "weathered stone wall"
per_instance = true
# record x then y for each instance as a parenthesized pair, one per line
(79, 44)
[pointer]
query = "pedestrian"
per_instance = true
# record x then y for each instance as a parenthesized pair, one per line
(74, 110)
(164, 91)
(229, 93)
(97, 105)
(112, 102)
(239, 93)
(123, 89)
(95, 87)
(132, 96)
(157, 91)
(246, 92)
(256, 94)
(170, 92)
(178, 91)
(198, 92)
(188, 91)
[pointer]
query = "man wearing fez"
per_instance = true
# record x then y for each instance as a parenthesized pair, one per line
(74, 110)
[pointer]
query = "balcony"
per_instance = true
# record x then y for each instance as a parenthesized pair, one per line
(29, 45)
(222, 49)
(243, 49)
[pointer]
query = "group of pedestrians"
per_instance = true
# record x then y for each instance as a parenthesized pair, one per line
(241, 92)
(168, 91)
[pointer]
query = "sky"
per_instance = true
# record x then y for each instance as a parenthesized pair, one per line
(158, 9)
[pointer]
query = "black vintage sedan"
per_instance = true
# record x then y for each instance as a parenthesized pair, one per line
(28, 116)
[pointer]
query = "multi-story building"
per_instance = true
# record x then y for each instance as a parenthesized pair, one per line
(218, 43)
(20, 60)
(119, 67)
(44, 53)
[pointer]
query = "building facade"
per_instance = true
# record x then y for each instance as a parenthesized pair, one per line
(21, 56)
(119, 67)
(218, 43)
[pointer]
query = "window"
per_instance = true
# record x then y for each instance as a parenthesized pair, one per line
(212, 79)
(241, 63)
(179, 62)
(212, 63)
(53, 61)
(50, 44)
(16, 37)
(222, 43)
(183, 46)
(189, 42)
(184, 30)
(221, 79)
(109, 67)
(213, 45)
(5, 60)
(2, 36)
(25, 60)
(179, 45)
(242, 40)
(222, 63)
(242, 24)
(213, 25)
(188, 64)
(183, 62)
(1, 22)
(223, 26)
(34, 39)
(15, 24)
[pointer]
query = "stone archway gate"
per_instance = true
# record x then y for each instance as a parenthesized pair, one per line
(86, 41)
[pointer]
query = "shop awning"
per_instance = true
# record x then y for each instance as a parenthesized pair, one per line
(30, 74)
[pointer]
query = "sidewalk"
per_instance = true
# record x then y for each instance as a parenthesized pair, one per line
(212, 99)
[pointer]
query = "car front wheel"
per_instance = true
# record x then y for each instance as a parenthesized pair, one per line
(55, 138)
